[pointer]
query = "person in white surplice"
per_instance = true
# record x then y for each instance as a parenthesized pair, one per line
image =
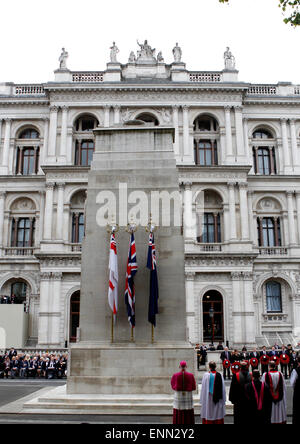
(276, 384)
(213, 396)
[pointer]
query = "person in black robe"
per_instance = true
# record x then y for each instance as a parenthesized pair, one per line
(259, 401)
(237, 394)
(295, 382)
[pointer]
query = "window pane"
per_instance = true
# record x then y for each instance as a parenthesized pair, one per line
(273, 293)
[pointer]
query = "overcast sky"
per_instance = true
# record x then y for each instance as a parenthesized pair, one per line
(33, 32)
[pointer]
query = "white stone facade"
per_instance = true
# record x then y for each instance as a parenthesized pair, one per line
(250, 191)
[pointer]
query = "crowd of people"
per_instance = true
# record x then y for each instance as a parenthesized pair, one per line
(37, 365)
(257, 389)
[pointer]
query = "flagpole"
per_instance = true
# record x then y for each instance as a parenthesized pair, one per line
(112, 327)
(112, 229)
(152, 334)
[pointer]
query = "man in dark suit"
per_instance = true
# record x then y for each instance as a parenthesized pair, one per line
(254, 354)
(284, 352)
(226, 355)
(264, 367)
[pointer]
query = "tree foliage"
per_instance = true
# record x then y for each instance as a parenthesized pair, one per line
(290, 8)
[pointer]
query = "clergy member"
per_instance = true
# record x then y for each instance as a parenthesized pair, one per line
(295, 383)
(183, 383)
(237, 394)
(276, 384)
(259, 400)
(213, 396)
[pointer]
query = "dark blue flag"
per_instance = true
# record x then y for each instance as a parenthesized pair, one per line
(153, 296)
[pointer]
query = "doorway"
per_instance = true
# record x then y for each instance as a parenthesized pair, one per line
(213, 317)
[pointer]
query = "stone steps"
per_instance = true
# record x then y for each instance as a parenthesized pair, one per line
(58, 401)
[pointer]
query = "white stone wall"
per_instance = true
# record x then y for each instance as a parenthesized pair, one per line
(237, 269)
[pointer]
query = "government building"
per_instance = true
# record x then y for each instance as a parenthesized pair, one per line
(237, 149)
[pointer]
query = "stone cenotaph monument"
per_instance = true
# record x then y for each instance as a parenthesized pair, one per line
(133, 174)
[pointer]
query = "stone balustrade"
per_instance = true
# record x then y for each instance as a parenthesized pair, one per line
(205, 77)
(87, 77)
(29, 90)
(273, 251)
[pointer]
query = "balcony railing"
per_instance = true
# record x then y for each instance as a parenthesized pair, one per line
(87, 77)
(205, 77)
(18, 251)
(275, 317)
(76, 247)
(210, 247)
(262, 90)
(29, 90)
(273, 251)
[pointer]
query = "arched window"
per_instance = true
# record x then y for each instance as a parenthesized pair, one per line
(273, 296)
(78, 222)
(269, 231)
(74, 315)
(18, 292)
(23, 230)
(148, 118)
(206, 141)
(84, 140)
(209, 215)
(264, 158)
(28, 152)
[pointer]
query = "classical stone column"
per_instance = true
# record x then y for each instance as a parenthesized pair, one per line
(117, 109)
(41, 216)
(43, 329)
(244, 210)
(1, 120)
(226, 228)
(248, 151)
(298, 213)
(237, 298)
(106, 115)
(48, 211)
(190, 305)
(229, 150)
(232, 213)
(66, 236)
(59, 211)
(285, 144)
(176, 126)
(186, 131)
(291, 218)
(248, 313)
(2, 202)
(188, 219)
(52, 134)
(294, 144)
(55, 309)
(6, 144)
(238, 113)
(63, 135)
(252, 226)
(222, 145)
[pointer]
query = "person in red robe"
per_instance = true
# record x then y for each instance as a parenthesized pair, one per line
(183, 383)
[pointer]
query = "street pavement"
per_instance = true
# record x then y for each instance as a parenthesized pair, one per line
(12, 391)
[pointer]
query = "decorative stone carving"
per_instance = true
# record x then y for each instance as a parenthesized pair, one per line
(177, 53)
(113, 53)
(63, 60)
(160, 58)
(229, 60)
(146, 53)
(23, 204)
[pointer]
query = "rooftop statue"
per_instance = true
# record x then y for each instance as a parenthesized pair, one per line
(177, 53)
(63, 59)
(229, 59)
(160, 57)
(146, 53)
(113, 53)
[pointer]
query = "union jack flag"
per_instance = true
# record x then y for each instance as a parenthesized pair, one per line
(153, 296)
(129, 284)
